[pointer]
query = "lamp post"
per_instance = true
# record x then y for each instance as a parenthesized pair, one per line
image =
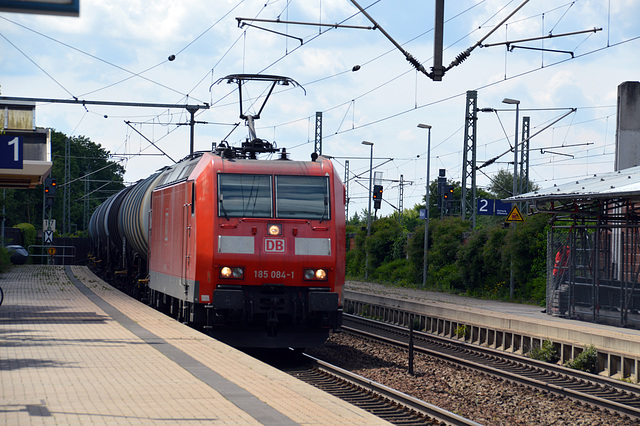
(515, 180)
(426, 213)
(366, 264)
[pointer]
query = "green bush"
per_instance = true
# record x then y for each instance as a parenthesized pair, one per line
(462, 331)
(381, 243)
(29, 234)
(397, 271)
(445, 279)
(478, 262)
(471, 263)
(533, 291)
(587, 360)
(353, 263)
(546, 353)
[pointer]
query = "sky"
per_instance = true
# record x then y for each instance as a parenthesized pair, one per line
(119, 51)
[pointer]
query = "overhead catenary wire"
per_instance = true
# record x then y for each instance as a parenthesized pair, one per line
(409, 110)
(357, 124)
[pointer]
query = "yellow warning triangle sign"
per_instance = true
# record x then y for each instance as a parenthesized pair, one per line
(514, 215)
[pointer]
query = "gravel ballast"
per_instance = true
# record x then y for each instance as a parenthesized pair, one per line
(471, 394)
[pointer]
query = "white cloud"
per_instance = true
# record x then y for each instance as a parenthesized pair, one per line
(376, 103)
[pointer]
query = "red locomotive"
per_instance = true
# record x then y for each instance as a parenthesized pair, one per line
(251, 250)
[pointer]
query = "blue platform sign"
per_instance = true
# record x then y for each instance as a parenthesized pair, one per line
(10, 152)
(485, 207)
(502, 208)
(490, 207)
(423, 213)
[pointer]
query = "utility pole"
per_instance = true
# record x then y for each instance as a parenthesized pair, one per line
(426, 205)
(524, 157)
(86, 200)
(401, 197)
(318, 141)
(66, 190)
(346, 189)
(468, 204)
(515, 102)
(366, 264)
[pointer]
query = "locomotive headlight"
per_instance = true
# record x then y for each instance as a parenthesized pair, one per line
(229, 272)
(315, 274)
(274, 229)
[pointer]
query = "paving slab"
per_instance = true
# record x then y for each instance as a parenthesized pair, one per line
(74, 350)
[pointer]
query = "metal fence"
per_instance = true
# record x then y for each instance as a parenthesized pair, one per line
(52, 254)
(593, 269)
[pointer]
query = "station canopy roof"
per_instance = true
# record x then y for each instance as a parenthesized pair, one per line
(605, 186)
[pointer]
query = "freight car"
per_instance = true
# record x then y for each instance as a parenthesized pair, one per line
(250, 250)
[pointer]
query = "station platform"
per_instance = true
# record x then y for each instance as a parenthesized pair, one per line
(74, 350)
(508, 326)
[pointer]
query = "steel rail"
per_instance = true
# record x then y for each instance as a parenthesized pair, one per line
(428, 410)
(577, 385)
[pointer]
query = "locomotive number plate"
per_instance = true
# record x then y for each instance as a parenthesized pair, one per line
(265, 273)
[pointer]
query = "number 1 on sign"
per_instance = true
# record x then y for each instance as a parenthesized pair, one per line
(16, 148)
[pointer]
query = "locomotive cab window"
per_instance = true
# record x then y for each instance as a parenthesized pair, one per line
(244, 195)
(302, 197)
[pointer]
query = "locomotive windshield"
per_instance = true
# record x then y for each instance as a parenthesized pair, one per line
(302, 197)
(244, 195)
(296, 197)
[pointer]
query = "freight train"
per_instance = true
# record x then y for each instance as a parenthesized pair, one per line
(250, 250)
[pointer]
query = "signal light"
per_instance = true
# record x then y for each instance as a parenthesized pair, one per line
(448, 192)
(50, 186)
(49, 190)
(377, 196)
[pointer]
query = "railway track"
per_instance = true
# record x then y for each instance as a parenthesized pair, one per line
(386, 403)
(605, 393)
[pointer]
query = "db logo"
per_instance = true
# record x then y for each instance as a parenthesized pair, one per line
(274, 245)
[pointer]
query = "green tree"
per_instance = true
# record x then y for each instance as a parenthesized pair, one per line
(484, 263)
(501, 185)
(410, 218)
(490, 254)
(472, 262)
(475, 261)
(86, 159)
(526, 243)
(445, 239)
(384, 233)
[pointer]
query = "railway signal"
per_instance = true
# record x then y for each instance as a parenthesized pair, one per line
(377, 196)
(446, 200)
(442, 183)
(448, 192)
(49, 190)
